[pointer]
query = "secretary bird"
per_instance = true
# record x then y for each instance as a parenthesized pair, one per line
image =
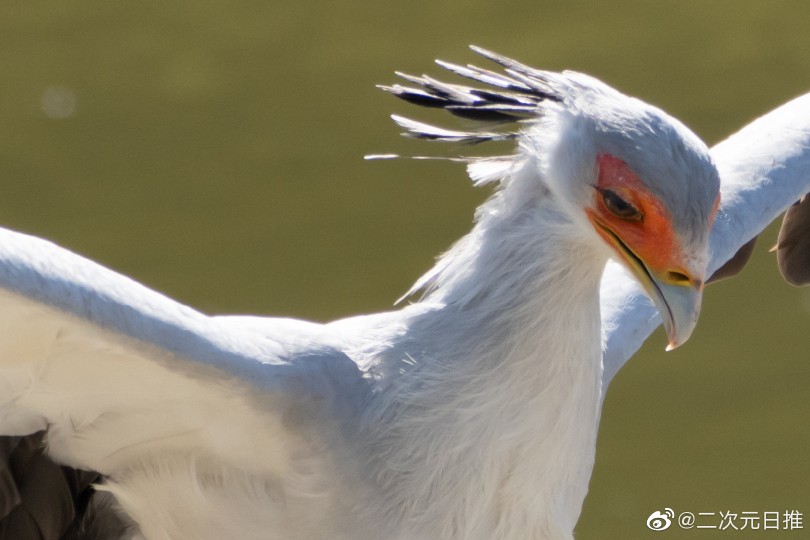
(470, 413)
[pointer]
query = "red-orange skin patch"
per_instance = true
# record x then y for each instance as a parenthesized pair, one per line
(651, 238)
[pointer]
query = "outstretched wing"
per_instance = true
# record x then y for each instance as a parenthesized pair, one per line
(764, 169)
(119, 375)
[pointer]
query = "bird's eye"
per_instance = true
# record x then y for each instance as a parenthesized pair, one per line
(619, 207)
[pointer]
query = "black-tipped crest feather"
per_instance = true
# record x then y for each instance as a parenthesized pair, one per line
(519, 94)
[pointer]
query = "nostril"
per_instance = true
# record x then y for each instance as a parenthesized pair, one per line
(678, 278)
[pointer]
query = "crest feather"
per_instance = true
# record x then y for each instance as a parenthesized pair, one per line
(509, 98)
(519, 95)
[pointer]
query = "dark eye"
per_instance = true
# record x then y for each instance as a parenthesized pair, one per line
(619, 207)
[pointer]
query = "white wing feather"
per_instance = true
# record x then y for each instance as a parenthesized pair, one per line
(136, 386)
(764, 168)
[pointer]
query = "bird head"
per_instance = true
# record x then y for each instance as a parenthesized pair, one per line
(642, 185)
(636, 184)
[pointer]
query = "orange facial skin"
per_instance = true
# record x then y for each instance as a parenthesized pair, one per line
(648, 243)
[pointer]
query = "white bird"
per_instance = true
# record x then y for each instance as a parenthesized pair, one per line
(469, 414)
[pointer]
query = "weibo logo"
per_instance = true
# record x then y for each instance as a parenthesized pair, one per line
(660, 521)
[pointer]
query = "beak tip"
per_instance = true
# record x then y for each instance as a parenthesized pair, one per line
(679, 307)
(676, 338)
(673, 342)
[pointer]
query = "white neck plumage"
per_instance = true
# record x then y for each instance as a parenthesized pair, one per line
(487, 425)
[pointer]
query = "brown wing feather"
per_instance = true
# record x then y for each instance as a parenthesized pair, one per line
(793, 245)
(735, 264)
(40, 500)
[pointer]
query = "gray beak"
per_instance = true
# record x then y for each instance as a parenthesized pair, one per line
(679, 306)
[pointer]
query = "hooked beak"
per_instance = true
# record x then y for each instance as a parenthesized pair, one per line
(676, 294)
(679, 306)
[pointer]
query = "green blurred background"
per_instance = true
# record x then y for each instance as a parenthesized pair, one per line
(213, 150)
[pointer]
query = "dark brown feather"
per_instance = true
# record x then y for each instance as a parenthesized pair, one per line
(793, 244)
(735, 264)
(40, 500)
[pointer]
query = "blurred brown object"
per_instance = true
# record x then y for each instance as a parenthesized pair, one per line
(793, 245)
(40, 500)
(792, 248)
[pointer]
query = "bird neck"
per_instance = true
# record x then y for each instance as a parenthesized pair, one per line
(487, 414)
